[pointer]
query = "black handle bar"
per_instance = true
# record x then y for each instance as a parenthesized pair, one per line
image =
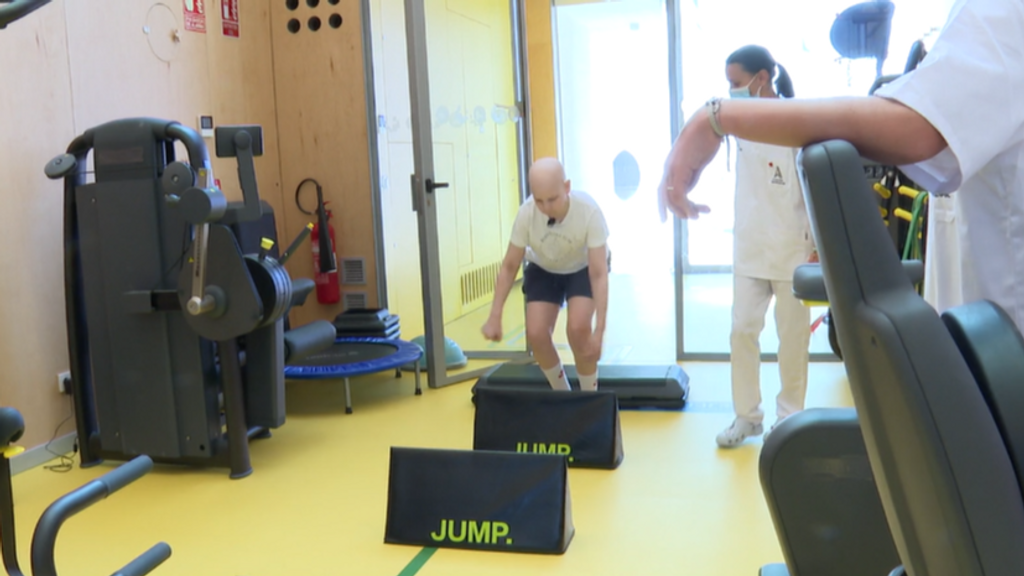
(11, 11)
(45, 537)
(147, 562)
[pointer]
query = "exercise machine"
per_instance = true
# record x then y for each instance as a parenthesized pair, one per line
(815, 471)
(822, 498)
(176, 298)
(44, 539)
(657, 386)
(12, 427)
(902, 206)
(935, 396)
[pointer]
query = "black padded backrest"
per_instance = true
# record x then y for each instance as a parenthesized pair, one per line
(994, 351)
(946, 482)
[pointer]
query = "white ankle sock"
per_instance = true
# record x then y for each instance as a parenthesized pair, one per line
(588, 383)
(556, 377)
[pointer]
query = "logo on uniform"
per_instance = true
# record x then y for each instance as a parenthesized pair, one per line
(777, 178)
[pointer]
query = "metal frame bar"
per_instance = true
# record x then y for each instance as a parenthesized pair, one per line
(423, 201)
(521, 83)
(377, 201)
(679, 227)
(556, 72)
(521, 71)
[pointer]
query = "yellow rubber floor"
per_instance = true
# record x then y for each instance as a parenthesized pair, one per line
(315, 504)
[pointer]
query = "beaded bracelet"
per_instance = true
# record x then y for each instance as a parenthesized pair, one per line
(715, 104)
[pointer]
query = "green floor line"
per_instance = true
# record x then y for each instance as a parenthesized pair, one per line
(416, 563)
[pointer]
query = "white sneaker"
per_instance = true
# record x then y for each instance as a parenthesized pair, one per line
(739, 431)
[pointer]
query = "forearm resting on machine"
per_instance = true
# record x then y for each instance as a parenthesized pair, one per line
(882, 129)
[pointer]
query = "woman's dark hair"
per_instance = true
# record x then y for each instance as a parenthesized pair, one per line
(754, 58)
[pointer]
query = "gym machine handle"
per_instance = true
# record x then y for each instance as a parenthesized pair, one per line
(11, 11)
(205, 204)
(295, 244)
(147, 562)
(45, 537)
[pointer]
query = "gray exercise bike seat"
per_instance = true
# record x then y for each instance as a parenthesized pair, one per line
(809, 284)
(946, 481)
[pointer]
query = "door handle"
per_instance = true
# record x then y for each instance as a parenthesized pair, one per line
(431, 185)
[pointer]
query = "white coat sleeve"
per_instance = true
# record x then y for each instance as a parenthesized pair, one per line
(969, 87)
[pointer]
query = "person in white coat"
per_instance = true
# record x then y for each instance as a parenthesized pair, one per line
(771, 237)
(954, 124)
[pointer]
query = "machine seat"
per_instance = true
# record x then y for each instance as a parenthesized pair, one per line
(809, 284)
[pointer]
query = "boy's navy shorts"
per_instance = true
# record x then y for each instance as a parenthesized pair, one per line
(539, 285)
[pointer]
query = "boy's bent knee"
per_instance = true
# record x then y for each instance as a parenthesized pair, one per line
(578, 333)
(538, 334)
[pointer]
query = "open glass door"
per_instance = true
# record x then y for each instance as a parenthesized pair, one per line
(468, 147)
(796, 32)
(612, 79)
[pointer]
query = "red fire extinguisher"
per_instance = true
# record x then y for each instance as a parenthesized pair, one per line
(325, 259)
(328, 290)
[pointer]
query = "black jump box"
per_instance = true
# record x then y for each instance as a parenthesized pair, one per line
(481, 500)
(582, 426)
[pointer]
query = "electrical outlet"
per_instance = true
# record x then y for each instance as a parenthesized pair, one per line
(64, 382)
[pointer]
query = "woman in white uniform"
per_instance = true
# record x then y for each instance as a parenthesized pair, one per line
(771, 237)
(956, 123)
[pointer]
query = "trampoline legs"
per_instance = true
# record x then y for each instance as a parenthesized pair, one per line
(348, 398)
(419, 390)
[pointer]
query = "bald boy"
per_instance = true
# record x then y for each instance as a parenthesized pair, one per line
(563, 235)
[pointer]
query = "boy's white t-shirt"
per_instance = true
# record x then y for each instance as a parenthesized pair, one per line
(562, 248)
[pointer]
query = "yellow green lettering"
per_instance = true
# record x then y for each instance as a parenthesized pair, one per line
(498, 530)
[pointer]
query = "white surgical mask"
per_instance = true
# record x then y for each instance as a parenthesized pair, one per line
(744, 92)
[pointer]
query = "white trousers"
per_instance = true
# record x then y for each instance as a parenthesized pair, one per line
(751, 297)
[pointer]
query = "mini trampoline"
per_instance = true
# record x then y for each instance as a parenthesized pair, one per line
(350, 357)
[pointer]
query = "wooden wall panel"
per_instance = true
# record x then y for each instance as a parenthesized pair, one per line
(141, 61)
(35, 112)
(323, 134)
(241, 91)
(115, 72)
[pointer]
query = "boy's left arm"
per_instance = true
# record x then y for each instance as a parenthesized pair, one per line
(598, 268)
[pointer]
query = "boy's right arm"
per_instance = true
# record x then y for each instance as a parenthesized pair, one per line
(506, 276)
(502, 286)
